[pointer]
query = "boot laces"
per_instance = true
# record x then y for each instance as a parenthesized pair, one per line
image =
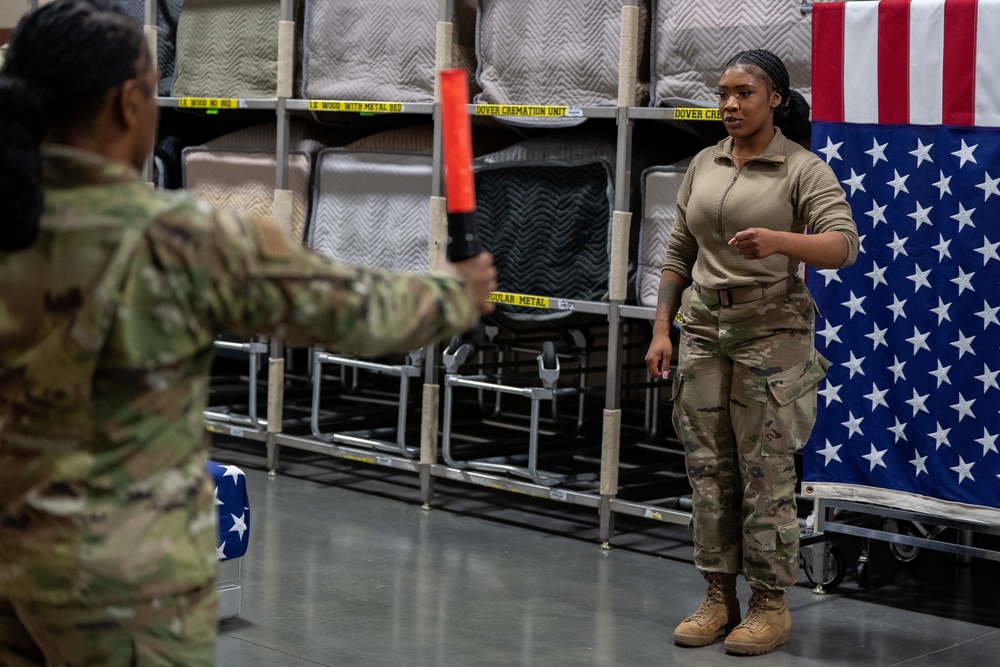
(756, 608)
(716, 596)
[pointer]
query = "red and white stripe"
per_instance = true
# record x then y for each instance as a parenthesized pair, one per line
(925, 62)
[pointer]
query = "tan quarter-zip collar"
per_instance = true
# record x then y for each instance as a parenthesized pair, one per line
(774, 152)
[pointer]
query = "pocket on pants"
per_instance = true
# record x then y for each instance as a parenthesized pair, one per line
(791, 406)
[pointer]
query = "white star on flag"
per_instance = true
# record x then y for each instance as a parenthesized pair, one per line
(942, 311)
(220, 552)
(898, 430)
(877, 274)
(987, 441)
(898, 246)
(919, 462)
(878, 336)
(831, 151)
(854, 365)
(964, 217)
(940, 436)
(855, 182)
(964, 344)
(921, 153)
(877, 152)
(917, 403)
(943, 185)
(964, 470)
(988, 250)
(942, 248)
(988, 378)
(875, 457)
(854, 304)
(919, 340)
(964, 281)
(830, 333)
(830, 275)
(830, 453)
(921, 215)
(234, 472)
(897, 370)
(898, 184)
(988, 314)
(853, 425)
(989, 187)
(941, 373)
(877, 213)
(877, 397)
(963, 407)
(831, 392)
(215, 497)
(919, 278)
(965, 154)
(239, 525)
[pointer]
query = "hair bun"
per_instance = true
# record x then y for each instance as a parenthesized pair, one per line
(22, 105)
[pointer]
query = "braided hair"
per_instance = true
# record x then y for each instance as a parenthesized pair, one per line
(792, 115)
(71, 52)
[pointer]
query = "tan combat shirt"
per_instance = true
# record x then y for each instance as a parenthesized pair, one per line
(787, 188)
(107, 326)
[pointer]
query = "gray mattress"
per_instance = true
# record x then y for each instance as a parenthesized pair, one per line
(237, 171)
(167, 14)
(227, 48)
(549, 52)
(374, 50)
(693, 39)
(371, 201)
(544, 208)
(660, 186)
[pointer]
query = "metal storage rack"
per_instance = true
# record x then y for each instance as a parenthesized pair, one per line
(600, 492)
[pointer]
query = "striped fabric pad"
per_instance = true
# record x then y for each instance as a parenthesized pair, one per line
(375, 50)
(693, 39)
(552, 52)
(227, 48)
(660, 186)
(237, 171)
(544, 208)
(371, 201)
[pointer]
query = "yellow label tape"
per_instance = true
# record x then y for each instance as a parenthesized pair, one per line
(696, 113)
(525, 300)
(527, 110)
(207, 103)
(356, 107)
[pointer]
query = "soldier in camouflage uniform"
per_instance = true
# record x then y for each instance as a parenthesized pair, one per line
(747, 370)
(111, 295)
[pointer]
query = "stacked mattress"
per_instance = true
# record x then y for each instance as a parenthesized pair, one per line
(550, 52)
(227, 48)
(237, 171)
(167, 14)
(375, 50)
(660, 186)
(371, 201)
(544, 208)
(693, 40)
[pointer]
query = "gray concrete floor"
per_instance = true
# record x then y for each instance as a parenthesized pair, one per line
(345, 568)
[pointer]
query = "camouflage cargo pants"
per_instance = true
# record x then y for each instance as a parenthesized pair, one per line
(174, 631)
(745, 400)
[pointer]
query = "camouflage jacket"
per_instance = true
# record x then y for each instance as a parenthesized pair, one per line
(107, 326)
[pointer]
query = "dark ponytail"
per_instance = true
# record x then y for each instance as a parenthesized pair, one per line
(792, 115)
(77, 50)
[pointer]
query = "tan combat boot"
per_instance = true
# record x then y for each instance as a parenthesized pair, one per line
(768, 624)
(718, 614)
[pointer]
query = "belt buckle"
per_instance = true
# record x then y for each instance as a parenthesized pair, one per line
(728, 301)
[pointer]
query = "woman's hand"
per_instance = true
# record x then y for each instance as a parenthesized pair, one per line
(757, 243)
(658, 356)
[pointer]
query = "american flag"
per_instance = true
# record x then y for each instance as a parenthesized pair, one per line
(233, 504)
(906, 109)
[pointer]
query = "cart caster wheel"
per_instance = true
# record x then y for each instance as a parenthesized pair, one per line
(904, 553)
(863, 572)
(549, 355)
(836, 566)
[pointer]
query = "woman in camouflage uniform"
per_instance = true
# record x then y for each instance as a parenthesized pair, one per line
(111, 295)
(749, 211)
